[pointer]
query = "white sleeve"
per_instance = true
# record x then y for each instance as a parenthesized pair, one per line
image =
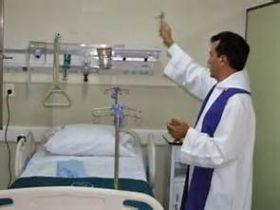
(184, 70)
(233, 133)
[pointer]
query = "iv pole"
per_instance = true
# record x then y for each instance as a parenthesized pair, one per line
(118, 111)
(117, 120)
(118, 117)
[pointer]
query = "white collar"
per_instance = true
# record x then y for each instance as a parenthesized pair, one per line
(238, 79)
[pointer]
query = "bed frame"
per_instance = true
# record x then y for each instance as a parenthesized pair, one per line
(24, 151)
(70, 198)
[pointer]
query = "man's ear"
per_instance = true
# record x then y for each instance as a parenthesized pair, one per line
(224, 60)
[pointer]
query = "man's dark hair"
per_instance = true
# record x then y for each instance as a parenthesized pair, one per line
(234, 47)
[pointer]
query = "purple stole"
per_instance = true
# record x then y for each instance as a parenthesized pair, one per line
(195, 196)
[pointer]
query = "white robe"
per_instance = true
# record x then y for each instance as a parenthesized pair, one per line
(230, 151)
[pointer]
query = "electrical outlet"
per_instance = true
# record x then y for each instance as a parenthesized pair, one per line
(9, 88)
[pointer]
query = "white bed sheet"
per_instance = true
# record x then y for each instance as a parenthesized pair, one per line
(45, 164)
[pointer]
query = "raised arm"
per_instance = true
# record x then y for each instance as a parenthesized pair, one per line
(182, 68)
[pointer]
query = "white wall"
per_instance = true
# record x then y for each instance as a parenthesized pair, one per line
(123, 21)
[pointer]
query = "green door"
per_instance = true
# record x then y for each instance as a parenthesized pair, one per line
(263, 35)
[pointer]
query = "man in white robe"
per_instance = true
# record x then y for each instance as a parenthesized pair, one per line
(225, 152)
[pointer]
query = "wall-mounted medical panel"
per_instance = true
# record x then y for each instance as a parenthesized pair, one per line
(74, 57)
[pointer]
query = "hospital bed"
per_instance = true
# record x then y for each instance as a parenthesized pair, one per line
(43, 182)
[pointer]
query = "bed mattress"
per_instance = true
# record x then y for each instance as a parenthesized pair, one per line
(44, 164)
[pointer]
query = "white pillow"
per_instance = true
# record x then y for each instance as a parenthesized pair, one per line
(89, 140)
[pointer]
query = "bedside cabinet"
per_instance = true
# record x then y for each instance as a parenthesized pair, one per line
(177, 174)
